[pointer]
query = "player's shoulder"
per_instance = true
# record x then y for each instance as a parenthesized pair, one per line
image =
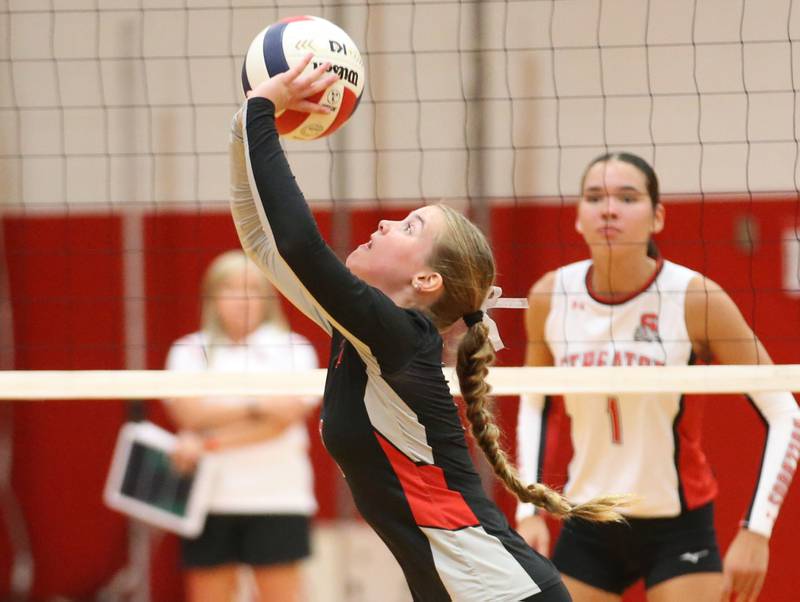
(193, 339)
(295, 338)
(678, 274)
(700, 283)
(702, 293)
(188, 352)
(706, 302)
(545, 285)
(539, 295)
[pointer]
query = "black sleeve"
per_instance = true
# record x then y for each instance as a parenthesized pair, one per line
(361, 312)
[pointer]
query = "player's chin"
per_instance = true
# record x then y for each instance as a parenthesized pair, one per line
(355, 260)
(363, 266)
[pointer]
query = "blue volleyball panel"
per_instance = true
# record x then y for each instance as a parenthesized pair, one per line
(274, 58)
(245, 81)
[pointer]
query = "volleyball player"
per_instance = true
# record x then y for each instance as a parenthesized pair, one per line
(388, 417)
(628, 306)
(263, 494)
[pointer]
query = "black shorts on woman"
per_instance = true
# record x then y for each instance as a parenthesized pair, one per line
(613, 556)
(253, 539)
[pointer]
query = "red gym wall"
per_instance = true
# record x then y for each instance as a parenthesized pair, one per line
(66, 282)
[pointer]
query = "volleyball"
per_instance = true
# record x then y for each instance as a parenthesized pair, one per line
(285, 43)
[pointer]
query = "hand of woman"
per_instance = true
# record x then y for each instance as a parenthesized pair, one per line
(745, 567)
(290, 89)
(187, 452)
(533, 530)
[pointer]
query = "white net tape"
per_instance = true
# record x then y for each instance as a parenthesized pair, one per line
(146, 384)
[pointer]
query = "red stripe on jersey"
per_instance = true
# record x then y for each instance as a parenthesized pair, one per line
(291, 120)
(557, 451)
(609, 301)
(432, 503)
(613, 415)
(345, 110)
(694, 472)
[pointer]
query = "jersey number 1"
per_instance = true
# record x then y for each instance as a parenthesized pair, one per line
(613, 416)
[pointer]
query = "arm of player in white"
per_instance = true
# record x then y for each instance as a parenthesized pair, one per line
(529, 437)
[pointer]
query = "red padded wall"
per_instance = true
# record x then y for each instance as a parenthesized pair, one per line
(66, 282)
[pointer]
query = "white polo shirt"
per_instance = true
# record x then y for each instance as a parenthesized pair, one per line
(274, 476)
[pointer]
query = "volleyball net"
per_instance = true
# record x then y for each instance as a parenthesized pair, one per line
(114, 160)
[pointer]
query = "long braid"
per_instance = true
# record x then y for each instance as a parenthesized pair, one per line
(475, 355)
(464, 259)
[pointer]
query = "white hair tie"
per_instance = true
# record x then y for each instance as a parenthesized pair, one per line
(491, 300)
(494, 300)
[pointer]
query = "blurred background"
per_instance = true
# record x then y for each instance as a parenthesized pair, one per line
(114, 118)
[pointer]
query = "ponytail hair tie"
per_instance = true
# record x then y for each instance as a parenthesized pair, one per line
(473, 318)
(492, 299)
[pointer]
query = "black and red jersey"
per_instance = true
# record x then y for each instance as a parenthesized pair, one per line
(389, 420)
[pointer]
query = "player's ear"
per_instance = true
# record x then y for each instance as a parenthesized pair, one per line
(659, 217)
(427, 282)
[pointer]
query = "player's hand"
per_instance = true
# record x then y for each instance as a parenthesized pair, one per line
(533, 530)
(187, 452)
(291, 89)
(745, 567)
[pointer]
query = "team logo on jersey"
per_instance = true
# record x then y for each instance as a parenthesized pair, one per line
(647, 331)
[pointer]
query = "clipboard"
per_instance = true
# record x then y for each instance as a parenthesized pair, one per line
(143, 484)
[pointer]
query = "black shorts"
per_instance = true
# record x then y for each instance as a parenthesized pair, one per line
(254, 539)
(613, 556)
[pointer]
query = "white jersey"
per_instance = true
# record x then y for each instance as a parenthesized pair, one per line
(649, 444)
(274, 476)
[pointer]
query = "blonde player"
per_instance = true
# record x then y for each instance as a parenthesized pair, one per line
(627, 306)
(388, 417)
(263, 497)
